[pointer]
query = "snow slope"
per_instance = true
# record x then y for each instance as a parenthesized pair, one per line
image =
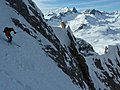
(27, 67)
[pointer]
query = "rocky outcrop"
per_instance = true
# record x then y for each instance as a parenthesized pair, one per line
(84, 48)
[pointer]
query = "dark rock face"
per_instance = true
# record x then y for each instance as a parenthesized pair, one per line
(80, 63)
(84, 48)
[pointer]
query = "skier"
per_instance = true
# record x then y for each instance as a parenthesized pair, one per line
(7, 31)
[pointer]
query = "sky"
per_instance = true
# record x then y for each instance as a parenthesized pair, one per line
(80, 5)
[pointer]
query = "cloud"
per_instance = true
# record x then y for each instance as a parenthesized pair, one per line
(88, 2)
(108, 6)
(45, 5)
(45, 1)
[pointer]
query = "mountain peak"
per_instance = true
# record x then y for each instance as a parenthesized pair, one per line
(66, 10)
(62, 10)
(92, 11)
(74, 10)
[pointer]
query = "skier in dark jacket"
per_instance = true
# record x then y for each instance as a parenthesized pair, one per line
(7, 31)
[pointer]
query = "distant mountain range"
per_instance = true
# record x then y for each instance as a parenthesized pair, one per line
(99, 28)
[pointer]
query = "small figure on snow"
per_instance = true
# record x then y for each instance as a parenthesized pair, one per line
(106, 49)
(63, 25)
(7, 31)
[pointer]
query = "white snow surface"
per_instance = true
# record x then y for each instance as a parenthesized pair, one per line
(26, 67)
(99, 30)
